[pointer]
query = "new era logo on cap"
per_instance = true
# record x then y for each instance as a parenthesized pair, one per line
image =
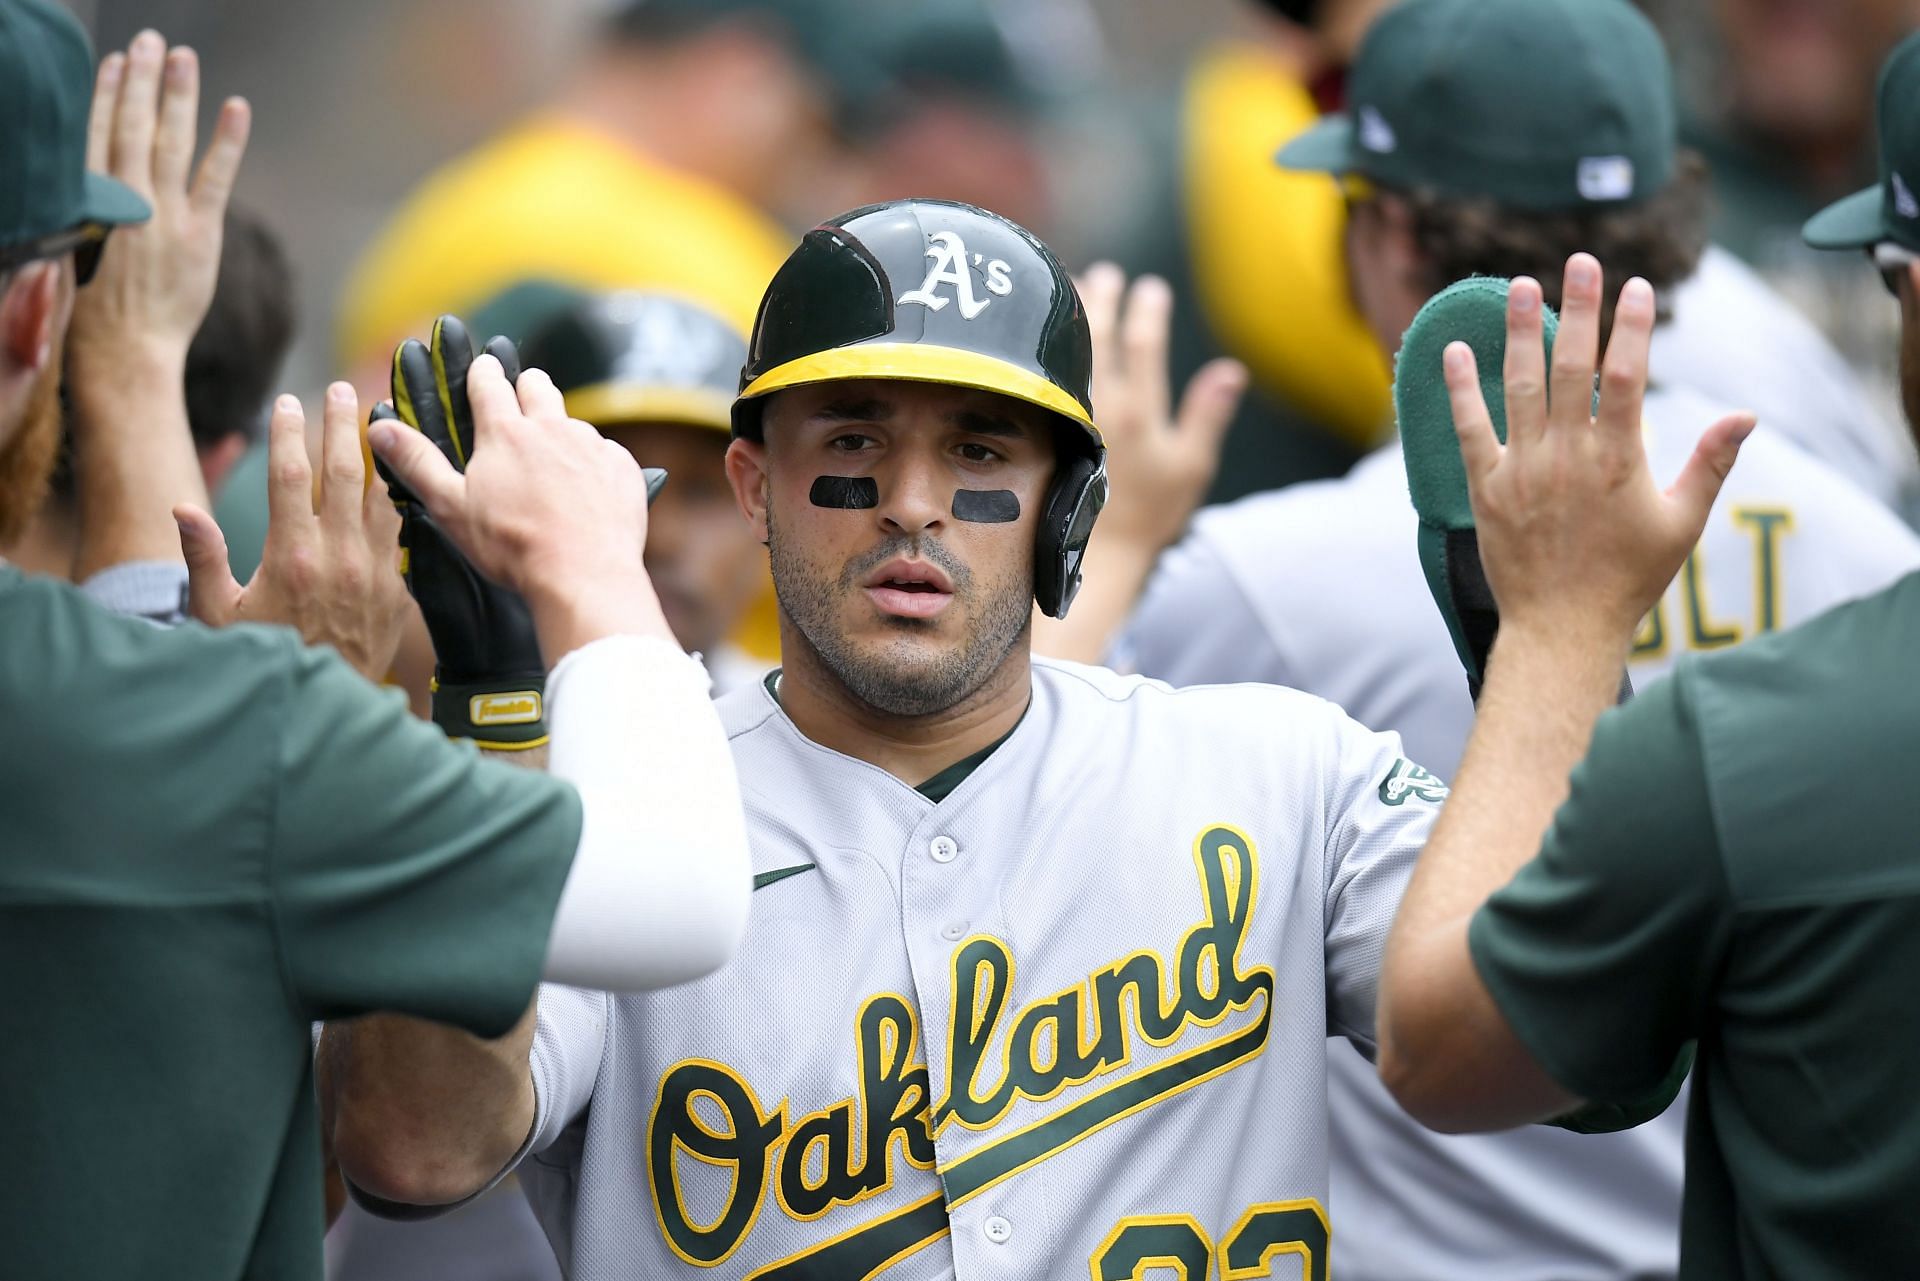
(1903, 202)
(1376, 134)
(1605, 178)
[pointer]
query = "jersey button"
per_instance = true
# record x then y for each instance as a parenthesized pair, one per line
(997, 1230)
(953, 931)
(943, 849)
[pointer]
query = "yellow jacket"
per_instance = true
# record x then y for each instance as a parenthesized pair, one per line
(553, 199)
(1268, 260)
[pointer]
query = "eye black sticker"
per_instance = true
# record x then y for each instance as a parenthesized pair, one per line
(849, 493)
(986, 506)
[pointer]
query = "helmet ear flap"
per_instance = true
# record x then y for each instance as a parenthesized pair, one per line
(1074, 500)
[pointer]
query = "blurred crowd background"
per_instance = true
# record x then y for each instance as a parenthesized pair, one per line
(1095, 122)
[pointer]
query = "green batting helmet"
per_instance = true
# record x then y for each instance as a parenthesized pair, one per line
(631, 357)
(942, 292)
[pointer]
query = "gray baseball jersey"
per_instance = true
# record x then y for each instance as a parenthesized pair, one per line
(1319, 587)
(1070, 1018)
(1734, 340)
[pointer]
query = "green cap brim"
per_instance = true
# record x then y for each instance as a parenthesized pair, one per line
(1850, 223)
(1326, 147)
(110, 201)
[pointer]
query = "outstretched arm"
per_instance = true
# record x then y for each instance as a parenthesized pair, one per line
(1577, 543)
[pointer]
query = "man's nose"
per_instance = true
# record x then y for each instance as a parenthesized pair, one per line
(914, 494)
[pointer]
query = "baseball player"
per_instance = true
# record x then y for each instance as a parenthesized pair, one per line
(1041, 959)
(1319, 587)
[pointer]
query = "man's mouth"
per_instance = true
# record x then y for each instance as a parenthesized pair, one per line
(909, 589)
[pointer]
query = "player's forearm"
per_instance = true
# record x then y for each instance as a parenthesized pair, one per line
(1115, 577)
(660, 881)
(421, 1113)
(1544, 692)
(134, 460)
(587, 606)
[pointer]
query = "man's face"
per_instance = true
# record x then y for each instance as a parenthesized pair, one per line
(910, 607)
(707, 567)
(27, 456)
(28, 452)
(1380, 266)
(1910, 350)
(1803, 70)
(959, 151)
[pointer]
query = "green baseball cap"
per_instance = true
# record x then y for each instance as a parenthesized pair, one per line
(46, 91)
(1536, 104)
(525, 307)
(1888, 210)
(631, 357)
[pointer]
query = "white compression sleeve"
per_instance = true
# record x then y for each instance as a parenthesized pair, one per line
(660, 883)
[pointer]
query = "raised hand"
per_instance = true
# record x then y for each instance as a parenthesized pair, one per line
(156, 278)
(331, 573)
(1159, 460)
(1576, 538)
(127, 346)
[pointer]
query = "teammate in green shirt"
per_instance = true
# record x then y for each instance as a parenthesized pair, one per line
(1733, 862)
(209, 840)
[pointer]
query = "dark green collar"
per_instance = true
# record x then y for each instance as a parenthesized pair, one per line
(941, 785)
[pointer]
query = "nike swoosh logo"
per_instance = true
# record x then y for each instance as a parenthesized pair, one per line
(763, 879)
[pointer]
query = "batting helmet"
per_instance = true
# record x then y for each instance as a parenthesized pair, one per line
(640, 358)
(942, 292)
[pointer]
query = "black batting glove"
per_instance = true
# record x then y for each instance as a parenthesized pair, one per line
(489, 681)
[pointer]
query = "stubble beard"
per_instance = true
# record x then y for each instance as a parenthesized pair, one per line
(901, 679)
(27, 457)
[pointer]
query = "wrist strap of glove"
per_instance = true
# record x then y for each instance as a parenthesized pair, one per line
(500, 714)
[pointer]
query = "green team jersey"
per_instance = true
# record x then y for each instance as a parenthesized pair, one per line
(1737, 865)
(212, 839)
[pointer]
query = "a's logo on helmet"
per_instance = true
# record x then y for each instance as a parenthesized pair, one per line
(951, 267)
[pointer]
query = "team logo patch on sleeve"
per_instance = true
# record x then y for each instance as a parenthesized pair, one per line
(1407, 779)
